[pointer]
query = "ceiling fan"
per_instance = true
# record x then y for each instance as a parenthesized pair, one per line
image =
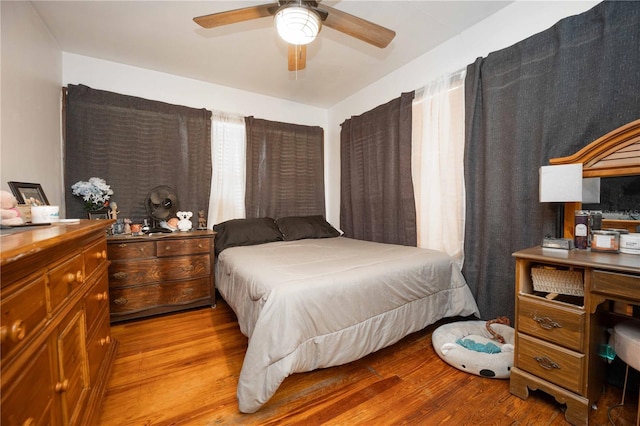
(298, 23)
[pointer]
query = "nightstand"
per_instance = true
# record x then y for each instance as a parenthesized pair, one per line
(160, 273)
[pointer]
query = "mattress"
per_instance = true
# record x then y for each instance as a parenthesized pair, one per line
(317, 303)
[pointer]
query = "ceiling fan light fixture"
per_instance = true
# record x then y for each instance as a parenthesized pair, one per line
(297, 24)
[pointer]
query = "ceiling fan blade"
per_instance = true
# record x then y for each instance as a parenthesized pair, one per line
(234, 16)
(297, 57)
(359, 28)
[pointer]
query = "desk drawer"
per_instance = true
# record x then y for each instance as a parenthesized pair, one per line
(552, 322)
(616, 284)
(551, 362)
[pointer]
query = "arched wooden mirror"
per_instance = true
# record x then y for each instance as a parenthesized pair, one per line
(615, 154)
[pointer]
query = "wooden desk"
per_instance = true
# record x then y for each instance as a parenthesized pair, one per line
(558, 339)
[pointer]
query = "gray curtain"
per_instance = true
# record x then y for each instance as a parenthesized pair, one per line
(377, 201)
(285, 169)
(545, 97)
(136, 144)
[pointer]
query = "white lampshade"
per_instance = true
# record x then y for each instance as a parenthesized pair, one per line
(564, 183)
(297, 24)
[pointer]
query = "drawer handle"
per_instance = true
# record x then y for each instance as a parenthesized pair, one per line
(62, 386)
(102, 296)
(121, 301)
(546, 363)
(120, 275)
(101, 255)
(16, 333)
(77, 277)
(546, 322)
(123, 245)
(105, 341)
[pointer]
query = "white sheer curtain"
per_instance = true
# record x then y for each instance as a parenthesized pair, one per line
(437, 165)
(228, 149)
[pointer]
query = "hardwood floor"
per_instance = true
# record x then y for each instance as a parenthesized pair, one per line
(182, 369)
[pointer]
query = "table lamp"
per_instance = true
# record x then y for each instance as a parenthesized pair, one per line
(564, 184)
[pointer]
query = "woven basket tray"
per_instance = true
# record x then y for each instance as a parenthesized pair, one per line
(557, 281)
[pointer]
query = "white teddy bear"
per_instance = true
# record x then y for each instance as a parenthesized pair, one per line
(184, 224)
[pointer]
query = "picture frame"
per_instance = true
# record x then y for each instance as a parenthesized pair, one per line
(29, 193)
(98, 215)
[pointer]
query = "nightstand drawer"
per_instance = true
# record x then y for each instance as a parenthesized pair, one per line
(551, 362)
(132, 250)
(176, 247)
(551, 321)
(135, 299)
(123, 273)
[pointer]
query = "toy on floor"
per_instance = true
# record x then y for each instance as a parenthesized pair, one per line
(483, 348)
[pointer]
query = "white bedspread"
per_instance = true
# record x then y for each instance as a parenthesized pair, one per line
(318, 303)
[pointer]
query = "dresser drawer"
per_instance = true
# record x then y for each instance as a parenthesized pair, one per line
(136, 299)
(614, 284)
(96, 300)
(551, 362)
(94, 256)
(131, 250)
(551, 321)
(98, 344)
(24, 312)
(28, 399)
(124, 273)
(64, 279)
(172, 247)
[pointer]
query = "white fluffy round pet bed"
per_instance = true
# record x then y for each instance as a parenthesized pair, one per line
(468, 346)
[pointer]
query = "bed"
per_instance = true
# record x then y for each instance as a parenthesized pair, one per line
(308, 298)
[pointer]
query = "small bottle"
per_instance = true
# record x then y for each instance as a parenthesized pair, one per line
(581, 230)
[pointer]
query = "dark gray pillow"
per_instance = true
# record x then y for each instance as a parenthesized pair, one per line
(299, 227)
(246, 232)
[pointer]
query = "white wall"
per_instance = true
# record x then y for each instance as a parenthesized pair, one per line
(134, 81)
(31, 75)
(503, 29)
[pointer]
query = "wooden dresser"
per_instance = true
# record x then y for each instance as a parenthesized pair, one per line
(57, 350)
(559, 338)
(159, 273)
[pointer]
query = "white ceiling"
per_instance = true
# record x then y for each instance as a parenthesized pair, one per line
(161, 36)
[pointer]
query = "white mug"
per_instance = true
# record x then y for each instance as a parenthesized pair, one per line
(45, 214)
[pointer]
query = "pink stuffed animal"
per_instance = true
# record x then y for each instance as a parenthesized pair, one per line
(9, 210)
